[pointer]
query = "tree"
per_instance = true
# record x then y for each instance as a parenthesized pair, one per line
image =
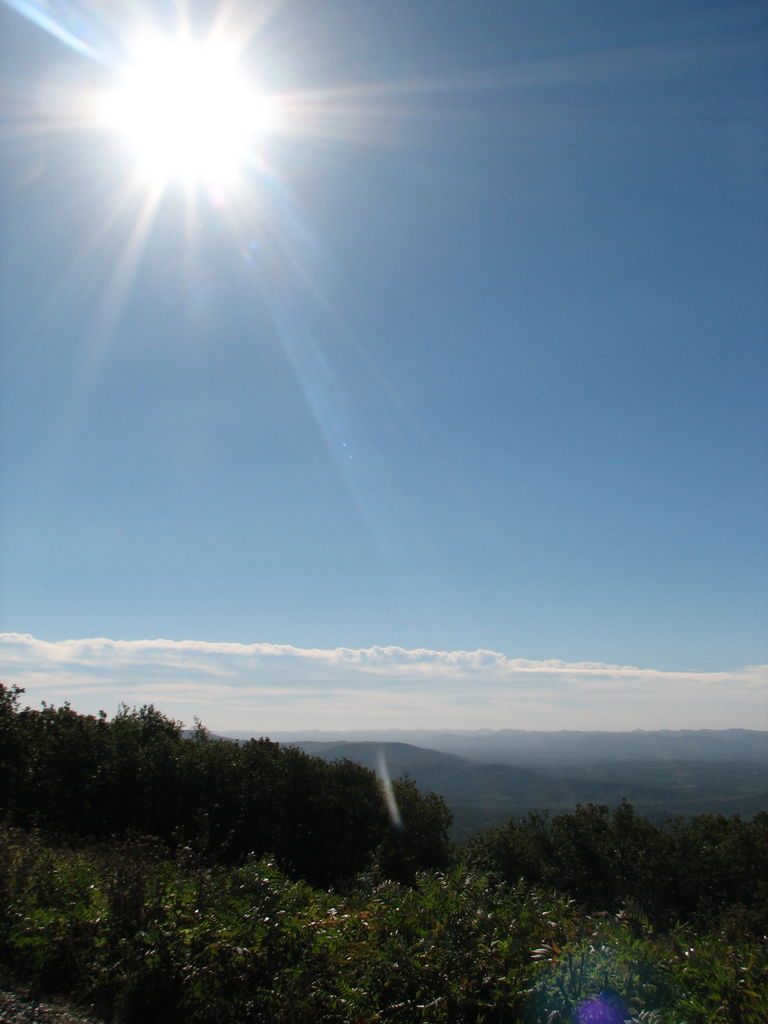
(419, 841)
(12, 749)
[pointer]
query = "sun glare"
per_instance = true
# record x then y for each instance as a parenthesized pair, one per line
(186, 111)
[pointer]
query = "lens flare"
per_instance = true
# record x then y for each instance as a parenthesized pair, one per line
(605, 1008)
(385, 781)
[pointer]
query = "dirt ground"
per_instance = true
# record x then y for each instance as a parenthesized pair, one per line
(21, 1008)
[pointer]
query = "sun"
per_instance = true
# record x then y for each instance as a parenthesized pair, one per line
(186, 110)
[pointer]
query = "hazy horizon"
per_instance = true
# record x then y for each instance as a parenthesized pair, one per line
(386, 365)
(280, 688)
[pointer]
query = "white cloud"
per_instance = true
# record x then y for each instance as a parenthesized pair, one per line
(268, 686)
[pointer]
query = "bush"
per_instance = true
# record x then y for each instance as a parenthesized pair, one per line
(149, 937)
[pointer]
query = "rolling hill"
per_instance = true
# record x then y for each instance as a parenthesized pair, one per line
(488, 777)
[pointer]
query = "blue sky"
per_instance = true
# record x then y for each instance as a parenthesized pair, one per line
(470, 358)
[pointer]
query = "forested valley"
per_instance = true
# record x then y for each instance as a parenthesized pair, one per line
(157, 876)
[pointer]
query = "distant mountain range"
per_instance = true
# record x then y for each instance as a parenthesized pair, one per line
(517, 746)
(488, 777)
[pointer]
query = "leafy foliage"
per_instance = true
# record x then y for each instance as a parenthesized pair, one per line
(146, 937)
(704, 870)
(167, 879)
(78, 777)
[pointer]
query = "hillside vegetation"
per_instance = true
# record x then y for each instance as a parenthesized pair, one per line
(78, 777)
(675, 777)
(159, 878)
